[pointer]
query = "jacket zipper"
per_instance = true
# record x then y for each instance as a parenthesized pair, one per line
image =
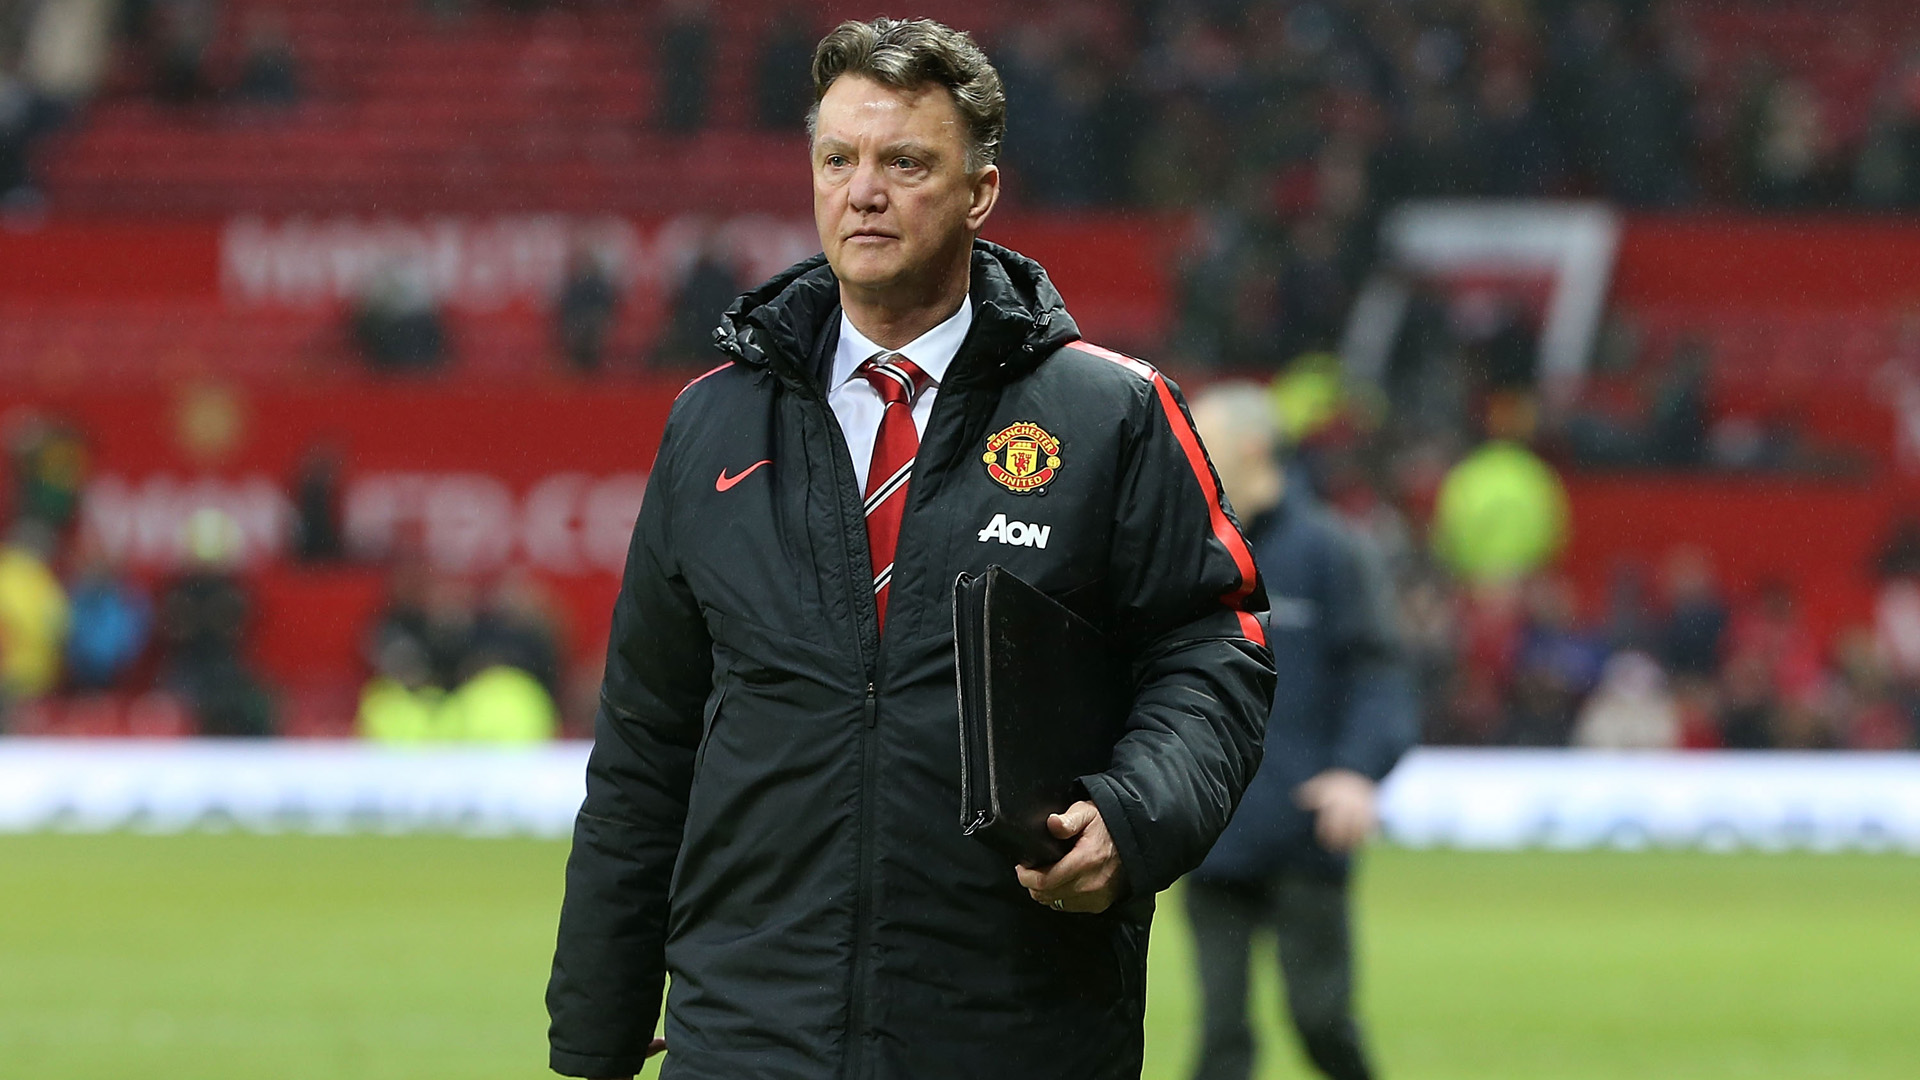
(853, 1063)
(858, 1020)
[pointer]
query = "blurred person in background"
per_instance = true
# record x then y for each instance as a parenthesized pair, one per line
(1343, 714)
(1790, 148)
(435, 612)
(1898, 383)
(517, 627)
(204, 612)
(48, 460)
(1749, 705)
(1770, 630)
(34, 614)
(269, 71)
(709, 286)
(495, 702)
(685, 64)
(17, 131)
(584, 309)
(401, 703)
(404, 612)
(780, 71)
(64, 56)
(1667, 428)
(1492, 628)
(396, 321)
(1430, 629)
(1522, 157)
(1556, 664)
(184, 31)
(1692, 636)
(1501, 514)
(316, 506)
(1630, 621)
(444, 11)
(1887, 172)
(1630, 710)
(499, 702)
(1896, 615)
(1626, 102)
(1677, 418)
(112, 621)
(1865, 709)
(1228, 292)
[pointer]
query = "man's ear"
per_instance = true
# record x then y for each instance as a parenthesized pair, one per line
(986, 192)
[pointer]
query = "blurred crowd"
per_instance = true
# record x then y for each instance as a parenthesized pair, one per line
(1194, 103)
(446, 658)
(55, 56)
(73, 621)
(1173, 102)
(1287, 129)
(1281, 130)
(1675, 663)
(1664, 654)
(449, 666)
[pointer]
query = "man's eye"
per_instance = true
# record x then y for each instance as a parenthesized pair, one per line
(836, 160)
(905, 163)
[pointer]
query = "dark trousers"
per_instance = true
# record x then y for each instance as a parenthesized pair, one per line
(1308, 915)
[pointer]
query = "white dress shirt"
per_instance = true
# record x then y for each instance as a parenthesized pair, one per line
(858, 405)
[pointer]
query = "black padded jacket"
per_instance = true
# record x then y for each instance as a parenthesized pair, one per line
(773, 798)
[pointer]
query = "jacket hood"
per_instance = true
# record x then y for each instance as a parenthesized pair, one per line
(1019, 318)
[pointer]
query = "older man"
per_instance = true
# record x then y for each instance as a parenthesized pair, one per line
(1343, 714)
(772, 812)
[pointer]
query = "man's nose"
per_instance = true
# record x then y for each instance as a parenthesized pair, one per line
(868, 190)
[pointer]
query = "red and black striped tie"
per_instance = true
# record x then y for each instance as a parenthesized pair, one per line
(899, 382)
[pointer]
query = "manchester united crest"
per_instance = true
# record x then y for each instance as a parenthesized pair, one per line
(1022, 458)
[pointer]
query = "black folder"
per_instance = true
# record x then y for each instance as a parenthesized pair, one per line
(1043, 699)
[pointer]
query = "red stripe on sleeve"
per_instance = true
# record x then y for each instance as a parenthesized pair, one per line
(690, 384)
(1138, 367)
(1223, 529)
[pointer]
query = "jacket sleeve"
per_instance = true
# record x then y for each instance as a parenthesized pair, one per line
(1378, 709)
(608, 967)
(1185, 599)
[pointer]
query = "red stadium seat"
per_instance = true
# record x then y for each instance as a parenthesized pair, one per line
(406, 114)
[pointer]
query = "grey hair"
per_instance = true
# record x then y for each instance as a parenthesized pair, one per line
(1245, 408)
(908, 54)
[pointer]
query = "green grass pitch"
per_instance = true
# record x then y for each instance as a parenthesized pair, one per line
(215, 956)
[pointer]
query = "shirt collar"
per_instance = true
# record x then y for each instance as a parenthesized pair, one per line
(933, 351)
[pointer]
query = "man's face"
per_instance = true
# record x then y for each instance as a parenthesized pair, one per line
(892, 198)
(1244, 460)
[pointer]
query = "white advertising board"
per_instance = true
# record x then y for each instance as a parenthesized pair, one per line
(1497, 799)
(1479, 799)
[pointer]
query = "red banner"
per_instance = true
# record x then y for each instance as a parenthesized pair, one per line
(128, 261)
(547, 479)
(1820, 538)
(1754, 263)
(544, 477)
(1112, 269)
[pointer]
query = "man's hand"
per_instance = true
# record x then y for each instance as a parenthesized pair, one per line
(1343, 804)
(657, 1046)
(1087, 878)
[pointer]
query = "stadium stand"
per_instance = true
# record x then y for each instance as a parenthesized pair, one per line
(1204, 180)
(409, 113)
